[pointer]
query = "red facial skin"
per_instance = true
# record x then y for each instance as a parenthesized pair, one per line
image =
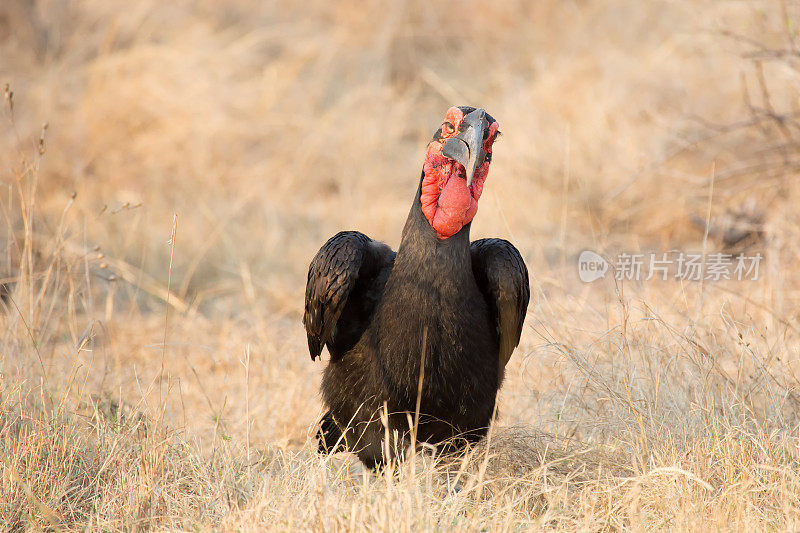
(447, 202)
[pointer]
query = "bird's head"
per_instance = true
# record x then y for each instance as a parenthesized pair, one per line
(456, 165)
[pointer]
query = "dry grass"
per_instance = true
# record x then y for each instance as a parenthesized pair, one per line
(153, 369)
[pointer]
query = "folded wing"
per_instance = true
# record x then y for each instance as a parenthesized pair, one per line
(345, 282)
(502, 277)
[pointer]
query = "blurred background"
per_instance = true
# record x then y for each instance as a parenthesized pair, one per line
(197, 154)
(253, 131)
(266, 127)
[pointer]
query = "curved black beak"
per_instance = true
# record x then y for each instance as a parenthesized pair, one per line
(466, 146)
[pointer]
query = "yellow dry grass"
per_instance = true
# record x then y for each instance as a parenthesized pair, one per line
(153, 369)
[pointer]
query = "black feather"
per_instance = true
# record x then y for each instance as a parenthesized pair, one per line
(350, 262)
(503, 278)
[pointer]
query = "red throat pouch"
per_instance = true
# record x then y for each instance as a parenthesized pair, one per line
(447, 202)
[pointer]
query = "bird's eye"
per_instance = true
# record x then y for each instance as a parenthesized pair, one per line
(488, 158)
(448, 127)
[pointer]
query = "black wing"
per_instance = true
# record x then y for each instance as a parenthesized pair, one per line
(345, 281)
(503, 278)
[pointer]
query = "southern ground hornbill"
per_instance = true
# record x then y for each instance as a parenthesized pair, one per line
(457, 306)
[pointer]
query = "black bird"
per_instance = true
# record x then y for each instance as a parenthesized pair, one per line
(374, 309)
